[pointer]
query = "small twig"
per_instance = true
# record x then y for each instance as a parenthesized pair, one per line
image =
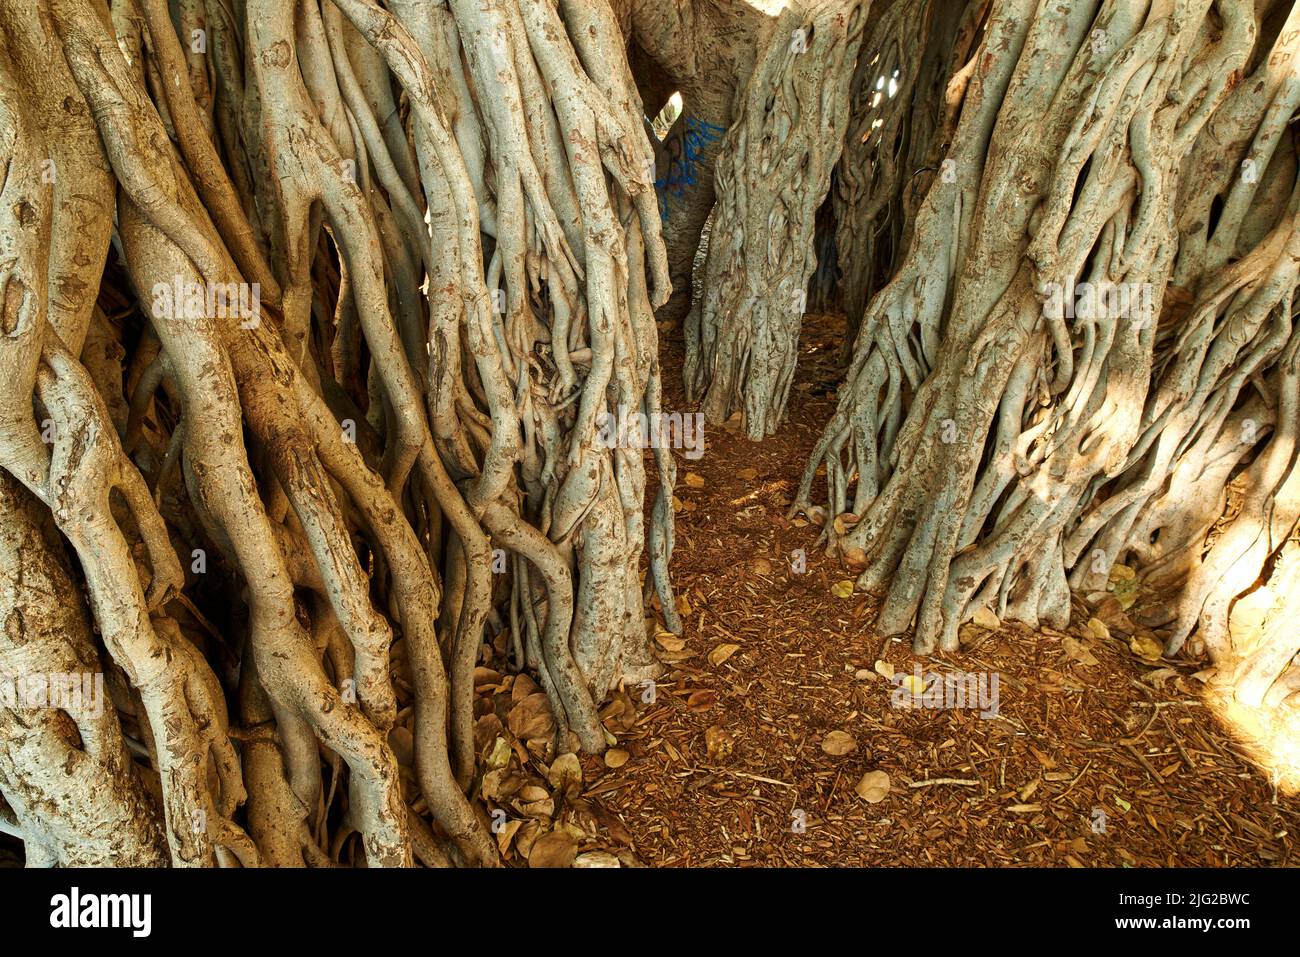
(964, 782)
(1146, 764)
(1173, 736)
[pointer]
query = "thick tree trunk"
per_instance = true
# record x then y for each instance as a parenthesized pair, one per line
(774, 172)
(1076, 355)
(372, 345)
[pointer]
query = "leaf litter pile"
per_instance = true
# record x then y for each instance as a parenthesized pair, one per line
(786, 732)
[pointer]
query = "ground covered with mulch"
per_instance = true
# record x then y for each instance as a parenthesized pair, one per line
(786, 731)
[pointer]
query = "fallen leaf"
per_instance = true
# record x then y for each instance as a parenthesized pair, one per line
(555, 849)
(721, 653)
(986, 618)
(619, 713)
(747, 474)
(839, 743)
(701, 700)
(719, 742)
(1119, 572)
(616, 758)
(854, 557)
(596, 859)
(565, 774)
(1124, 585)
(506, 835)
(694, 481)
(884, 669)
(523, 686)
(1146, 648)
(531, 719)
(669, 642)
(527, 834)
(1098, 628)
(842, 589)
(1111, 613)
(543, 809)
(1157, 678)
(1076, 650)
(873, 787)
(500, 755)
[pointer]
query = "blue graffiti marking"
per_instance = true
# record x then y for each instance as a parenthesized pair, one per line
(684, 155)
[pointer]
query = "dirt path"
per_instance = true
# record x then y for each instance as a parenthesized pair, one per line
(1113, 762)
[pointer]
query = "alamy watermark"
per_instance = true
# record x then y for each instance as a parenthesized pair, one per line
(78, 693)
(211, 300)
(936, 691)
(133, 912)
(1100, 300)
(666, 430)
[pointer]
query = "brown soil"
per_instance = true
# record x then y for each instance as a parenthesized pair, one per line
(730, 758)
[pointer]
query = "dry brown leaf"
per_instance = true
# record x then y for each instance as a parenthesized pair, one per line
(596, 859)
(1078, 651)
(531, 719)
(701, 700)
(522, 687)
(721, 653)
(506, 835)
(854, 557)
(1146, 648)
(719, 742)
(669, 642)
(619, 713)
(873, 787)
(565, 774)
(556, 849)
(839, 743)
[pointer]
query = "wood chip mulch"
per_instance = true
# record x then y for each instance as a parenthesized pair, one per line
(755, 755)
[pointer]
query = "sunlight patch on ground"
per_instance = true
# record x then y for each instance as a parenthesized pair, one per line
(1269, 736)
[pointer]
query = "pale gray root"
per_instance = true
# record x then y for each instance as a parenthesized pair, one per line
(1003, 443)
(68, 777)
(448, 216)
(772, 175)
(897, 106)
